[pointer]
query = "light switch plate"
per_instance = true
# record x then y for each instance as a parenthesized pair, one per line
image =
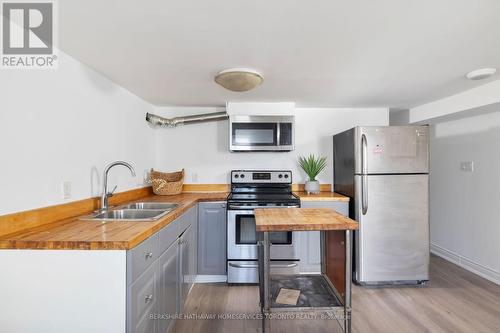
(467, 166)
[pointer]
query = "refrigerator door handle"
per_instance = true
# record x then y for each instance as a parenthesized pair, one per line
(364, 167)
(364, 194)
(364, 171)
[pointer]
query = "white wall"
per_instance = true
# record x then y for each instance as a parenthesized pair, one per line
(59, 291)
(464, 214)
(479, 100)
(202, 149)
(67, 124)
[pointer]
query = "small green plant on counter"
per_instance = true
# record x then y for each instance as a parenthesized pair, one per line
(312, 165)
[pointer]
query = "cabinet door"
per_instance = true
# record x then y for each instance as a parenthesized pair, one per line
(212, 238)
(309, 251)
(310, 247)
(193, 244)
(142, 301)
(141, 257)
(184, 278)
(168, 290)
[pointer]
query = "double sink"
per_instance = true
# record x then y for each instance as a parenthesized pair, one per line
(138, 212)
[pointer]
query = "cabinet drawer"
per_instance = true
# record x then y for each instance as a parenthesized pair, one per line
(169, 234)
(141, 257)
(143, 302)
(185, 220)
(212, 205)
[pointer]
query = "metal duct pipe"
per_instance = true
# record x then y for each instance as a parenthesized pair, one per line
(173, 122)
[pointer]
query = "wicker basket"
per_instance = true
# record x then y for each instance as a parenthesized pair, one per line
(167, 183)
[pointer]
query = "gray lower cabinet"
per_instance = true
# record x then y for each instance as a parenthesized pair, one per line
(309, 241)
(212, 238)
(143, 296)
(193, 246)
(185, 264)
(168, 287)
(160, 273)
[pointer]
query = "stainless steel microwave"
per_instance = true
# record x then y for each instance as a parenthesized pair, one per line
(261, 133)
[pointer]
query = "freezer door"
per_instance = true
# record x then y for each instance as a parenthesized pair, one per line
(392, 243)
(392, 149)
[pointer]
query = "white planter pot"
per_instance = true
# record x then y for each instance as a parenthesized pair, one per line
(312, 186)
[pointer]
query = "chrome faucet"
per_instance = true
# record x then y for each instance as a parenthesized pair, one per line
(105, 195)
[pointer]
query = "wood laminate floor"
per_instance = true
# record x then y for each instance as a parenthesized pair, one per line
(455, 300)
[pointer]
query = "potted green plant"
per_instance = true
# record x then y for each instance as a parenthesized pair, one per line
(312, 166)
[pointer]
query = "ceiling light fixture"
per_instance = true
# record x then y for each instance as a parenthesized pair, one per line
(239, 79)
(480, 74)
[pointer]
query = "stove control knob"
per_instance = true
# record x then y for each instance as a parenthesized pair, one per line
(280, 176)
(242, 176)
(236, 176)
(286, 175)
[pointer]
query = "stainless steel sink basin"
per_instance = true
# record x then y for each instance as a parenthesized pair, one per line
(152, 205)
(136, 215)
(139, 212)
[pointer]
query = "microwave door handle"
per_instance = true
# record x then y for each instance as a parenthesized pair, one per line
(278, 134)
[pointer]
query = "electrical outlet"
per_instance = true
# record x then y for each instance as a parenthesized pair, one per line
(146, 179)
(66, 189)
(194, 177)
(467, 166)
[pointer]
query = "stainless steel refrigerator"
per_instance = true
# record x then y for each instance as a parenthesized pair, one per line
(385, 172)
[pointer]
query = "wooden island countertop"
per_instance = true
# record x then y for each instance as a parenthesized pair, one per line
(301, 219)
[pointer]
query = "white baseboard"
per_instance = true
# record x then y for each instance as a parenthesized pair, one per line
(210, 278)
(474, 267)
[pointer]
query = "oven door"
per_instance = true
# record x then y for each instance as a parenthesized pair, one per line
(242, 239)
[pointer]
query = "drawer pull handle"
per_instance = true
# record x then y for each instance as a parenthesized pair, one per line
(148, 298)
(149, 255)
(243, 265)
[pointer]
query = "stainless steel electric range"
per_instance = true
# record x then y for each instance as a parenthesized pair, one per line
(258, 189)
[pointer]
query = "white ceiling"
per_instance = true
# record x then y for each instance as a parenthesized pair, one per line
(396, 53)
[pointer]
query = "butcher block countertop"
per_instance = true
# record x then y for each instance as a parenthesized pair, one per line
(77, 234)
(321, 196)
(73, 233)
(302, 219)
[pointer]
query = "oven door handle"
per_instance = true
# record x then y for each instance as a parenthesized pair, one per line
(249, 209)
(256, 266)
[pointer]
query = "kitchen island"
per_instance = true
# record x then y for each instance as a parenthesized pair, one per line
(317, 292)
